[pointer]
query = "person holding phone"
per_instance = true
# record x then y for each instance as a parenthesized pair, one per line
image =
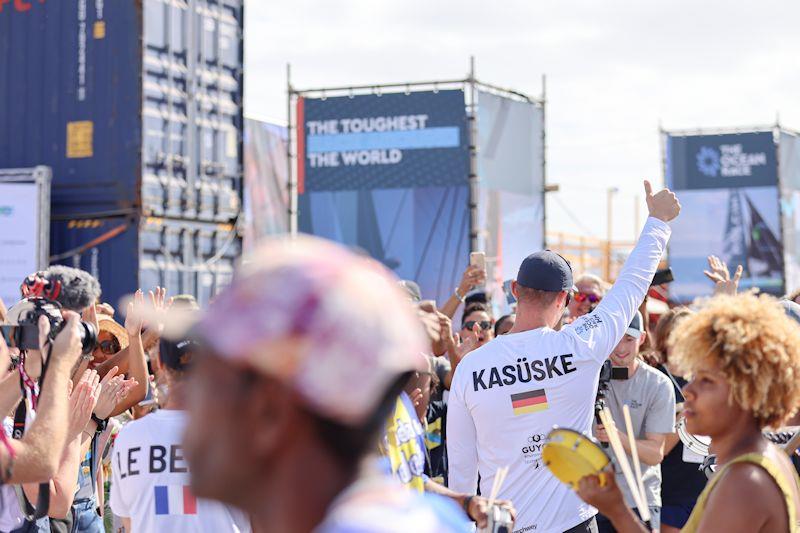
(474, 276)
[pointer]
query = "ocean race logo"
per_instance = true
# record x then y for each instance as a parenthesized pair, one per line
(730, 160)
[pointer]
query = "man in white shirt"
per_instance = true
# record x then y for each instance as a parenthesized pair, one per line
(150, 488)
(507, 395)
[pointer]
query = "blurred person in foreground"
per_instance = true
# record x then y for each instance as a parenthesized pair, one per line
(150, 488)
(743, 354)
(512, 391)
(302, 360)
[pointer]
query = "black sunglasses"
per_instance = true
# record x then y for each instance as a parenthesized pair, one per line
(484, 324)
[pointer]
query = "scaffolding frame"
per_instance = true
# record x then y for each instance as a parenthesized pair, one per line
(470, 85)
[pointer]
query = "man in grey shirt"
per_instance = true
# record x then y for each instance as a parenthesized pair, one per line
(651, 399)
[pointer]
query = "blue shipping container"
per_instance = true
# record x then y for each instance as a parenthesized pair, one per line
(135, 105)
(127, 253)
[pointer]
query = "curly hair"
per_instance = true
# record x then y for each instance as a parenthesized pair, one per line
(665, 325)
(757, 348)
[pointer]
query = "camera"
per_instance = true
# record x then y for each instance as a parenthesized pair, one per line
(499, 520)
(22, 331)
(607, 373)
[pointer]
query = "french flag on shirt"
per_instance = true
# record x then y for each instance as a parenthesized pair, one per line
(174, 500)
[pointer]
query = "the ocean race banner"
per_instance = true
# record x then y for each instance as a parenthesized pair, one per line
(721, 161)
(727, 185)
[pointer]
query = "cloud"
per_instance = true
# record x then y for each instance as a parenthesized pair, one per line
(615, 70)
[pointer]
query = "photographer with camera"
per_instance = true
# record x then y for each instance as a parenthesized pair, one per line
(650, 397)
(36, 455)
(507, 395)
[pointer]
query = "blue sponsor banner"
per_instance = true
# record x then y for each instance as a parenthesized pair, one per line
(721, 161)
(387, 141)
(420, 233)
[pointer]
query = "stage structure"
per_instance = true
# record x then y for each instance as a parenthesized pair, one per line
(740, 192)
(419, 174)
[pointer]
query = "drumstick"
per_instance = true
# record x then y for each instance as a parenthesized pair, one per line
(637, 467)
(622, 459)
(499, 479)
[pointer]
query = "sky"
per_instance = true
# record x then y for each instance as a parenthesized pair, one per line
(616, 72)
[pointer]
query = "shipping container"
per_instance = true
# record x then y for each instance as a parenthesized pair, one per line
(126, 253)
(136, 105)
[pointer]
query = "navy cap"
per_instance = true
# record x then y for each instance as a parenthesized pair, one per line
(545, 271)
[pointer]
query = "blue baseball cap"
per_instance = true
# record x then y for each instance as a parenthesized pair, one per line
(546, 271)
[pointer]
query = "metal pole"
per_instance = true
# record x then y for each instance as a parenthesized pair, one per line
(473, 160)
(782, 219)
(609, 226)
(291, 178)
(544, 162)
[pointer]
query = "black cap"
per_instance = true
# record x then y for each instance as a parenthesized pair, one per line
(545, 271)
(177, 355)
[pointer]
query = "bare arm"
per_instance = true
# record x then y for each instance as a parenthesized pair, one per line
(650, 449)
(38, 453)
(609, 501)
(62, 486)
(746, 499)
(136, 359)
(10, 392)
(671, 441)
(477, 508)
(473, 276)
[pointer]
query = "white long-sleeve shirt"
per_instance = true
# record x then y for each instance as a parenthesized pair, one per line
(507, 395)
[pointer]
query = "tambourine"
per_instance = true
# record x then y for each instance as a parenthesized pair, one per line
(570, 456)
(696, 443)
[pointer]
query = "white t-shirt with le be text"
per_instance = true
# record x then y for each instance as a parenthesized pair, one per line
(507, 395)
(151, 481)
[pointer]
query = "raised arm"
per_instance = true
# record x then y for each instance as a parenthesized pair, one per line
(602, 329)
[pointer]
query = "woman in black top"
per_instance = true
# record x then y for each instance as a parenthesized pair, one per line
(682, 482)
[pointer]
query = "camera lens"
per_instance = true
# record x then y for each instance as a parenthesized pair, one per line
(88, 338)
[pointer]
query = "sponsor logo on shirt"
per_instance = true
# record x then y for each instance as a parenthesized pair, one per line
(532, 451)
(174, 500)
(587, 323)
(533, 401)
(633, 404)
(523, 372)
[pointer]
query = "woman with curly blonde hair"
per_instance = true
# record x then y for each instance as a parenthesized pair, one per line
(743, 356)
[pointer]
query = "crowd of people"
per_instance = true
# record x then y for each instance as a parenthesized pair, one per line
(319, 394)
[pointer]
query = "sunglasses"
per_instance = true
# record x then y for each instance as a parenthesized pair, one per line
(109, 347)
(484, 324)
(583, 296)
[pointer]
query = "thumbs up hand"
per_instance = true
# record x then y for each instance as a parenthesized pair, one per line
(663, 205)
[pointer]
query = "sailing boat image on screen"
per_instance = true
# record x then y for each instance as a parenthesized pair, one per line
(748, 240)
